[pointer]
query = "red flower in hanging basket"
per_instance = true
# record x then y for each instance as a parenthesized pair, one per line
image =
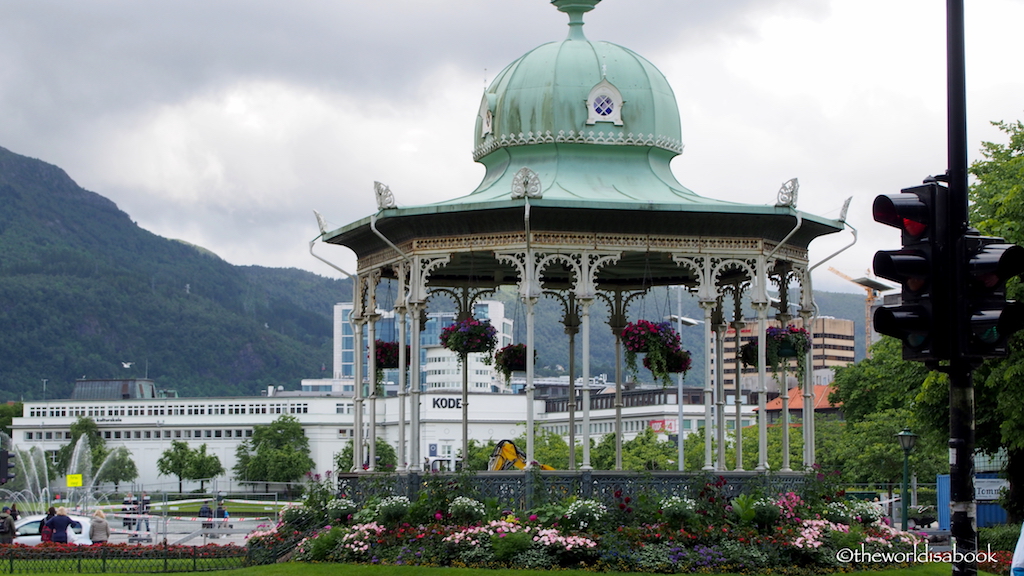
(469, 336)
(661, 345)
(781, 345)
(387, 354)
(511, 358)
(675, 362)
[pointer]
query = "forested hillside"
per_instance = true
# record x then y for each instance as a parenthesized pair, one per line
(83, 289)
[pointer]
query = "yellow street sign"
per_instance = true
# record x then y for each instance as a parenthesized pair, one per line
(74, 480)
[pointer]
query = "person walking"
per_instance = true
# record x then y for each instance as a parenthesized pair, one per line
(144, 504)
(6, 526)
(99, 530)
(14, 512)
(45, 532)
(206, 512)
(60, 524)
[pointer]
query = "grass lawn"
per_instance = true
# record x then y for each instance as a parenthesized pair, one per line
(327, 569)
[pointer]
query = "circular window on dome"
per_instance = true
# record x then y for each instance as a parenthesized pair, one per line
(604, 105)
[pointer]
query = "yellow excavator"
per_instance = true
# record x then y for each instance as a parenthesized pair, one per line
(507, 456)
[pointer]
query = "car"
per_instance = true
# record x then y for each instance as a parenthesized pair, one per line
(26, 530)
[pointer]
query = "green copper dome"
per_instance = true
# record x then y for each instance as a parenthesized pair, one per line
(546, 96)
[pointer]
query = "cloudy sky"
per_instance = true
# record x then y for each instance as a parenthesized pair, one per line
(227, 123)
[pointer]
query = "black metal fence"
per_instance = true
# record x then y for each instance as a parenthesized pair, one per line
(119, 559)
(523, 490)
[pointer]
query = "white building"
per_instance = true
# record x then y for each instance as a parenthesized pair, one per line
(147, 426)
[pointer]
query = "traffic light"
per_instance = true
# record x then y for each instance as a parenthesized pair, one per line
(991, 318)
(6, 463)
(920, 321)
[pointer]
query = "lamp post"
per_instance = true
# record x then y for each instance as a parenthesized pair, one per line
(907, 440)
(681, 321)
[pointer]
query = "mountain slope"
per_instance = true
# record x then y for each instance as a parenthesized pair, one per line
(83, 289)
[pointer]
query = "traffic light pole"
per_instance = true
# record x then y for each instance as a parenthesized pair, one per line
(961, 385)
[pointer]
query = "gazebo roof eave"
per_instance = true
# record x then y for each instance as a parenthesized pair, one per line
(346, 234)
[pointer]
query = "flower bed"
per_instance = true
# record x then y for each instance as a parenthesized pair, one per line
(704, 531)
(122, 558)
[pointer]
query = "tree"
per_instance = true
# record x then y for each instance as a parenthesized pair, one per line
(479, 454)
(276, 452)
(8, 412)
(175, 461)
(997, 208)
(203, 466)
(387, 458)
(83, 426)
(118, 467)
(883, 382)
(648, 451)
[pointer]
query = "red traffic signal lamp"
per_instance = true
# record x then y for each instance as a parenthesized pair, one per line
(991, 318)
(921, 320)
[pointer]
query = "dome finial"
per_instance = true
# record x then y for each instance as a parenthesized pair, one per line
(575, 9)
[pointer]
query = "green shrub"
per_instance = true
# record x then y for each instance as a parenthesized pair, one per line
(392, 509)
(508, 545)
(466, 510)
(585, 513)
(319, 547)
(1002, 537)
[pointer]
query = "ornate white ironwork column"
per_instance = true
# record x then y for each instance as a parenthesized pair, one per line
(371, 361)
(403, 455)
(530, 302)
(415, 312)
(737, 326)
(808, 386)
(762, 386)
(585, 429)
(357, 390)
(720, 328)
(709, 307)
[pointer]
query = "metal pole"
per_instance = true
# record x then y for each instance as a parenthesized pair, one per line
(961, 384)
(679, 419)
(905, 495)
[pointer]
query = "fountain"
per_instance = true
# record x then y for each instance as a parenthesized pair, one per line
(31, 488)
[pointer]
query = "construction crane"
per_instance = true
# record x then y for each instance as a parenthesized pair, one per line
(873, 288)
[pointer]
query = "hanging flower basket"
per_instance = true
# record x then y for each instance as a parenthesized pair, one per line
(469, 336)
(675, 362)
(511, 358)
(782, 344)
(661, 345)
(387, 354)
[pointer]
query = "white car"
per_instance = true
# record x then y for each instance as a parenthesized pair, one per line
(27, 530)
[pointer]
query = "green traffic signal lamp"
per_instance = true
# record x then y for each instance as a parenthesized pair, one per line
(992, 319)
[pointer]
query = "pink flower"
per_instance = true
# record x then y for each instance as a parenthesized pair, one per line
(533, 517)
(438, 516)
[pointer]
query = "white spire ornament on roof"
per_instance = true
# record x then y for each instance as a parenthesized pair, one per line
(385, 199)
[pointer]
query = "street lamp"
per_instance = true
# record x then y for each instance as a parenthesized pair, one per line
(681, 321)
(907, 440)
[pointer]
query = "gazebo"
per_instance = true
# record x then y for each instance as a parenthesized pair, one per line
(579, 202)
